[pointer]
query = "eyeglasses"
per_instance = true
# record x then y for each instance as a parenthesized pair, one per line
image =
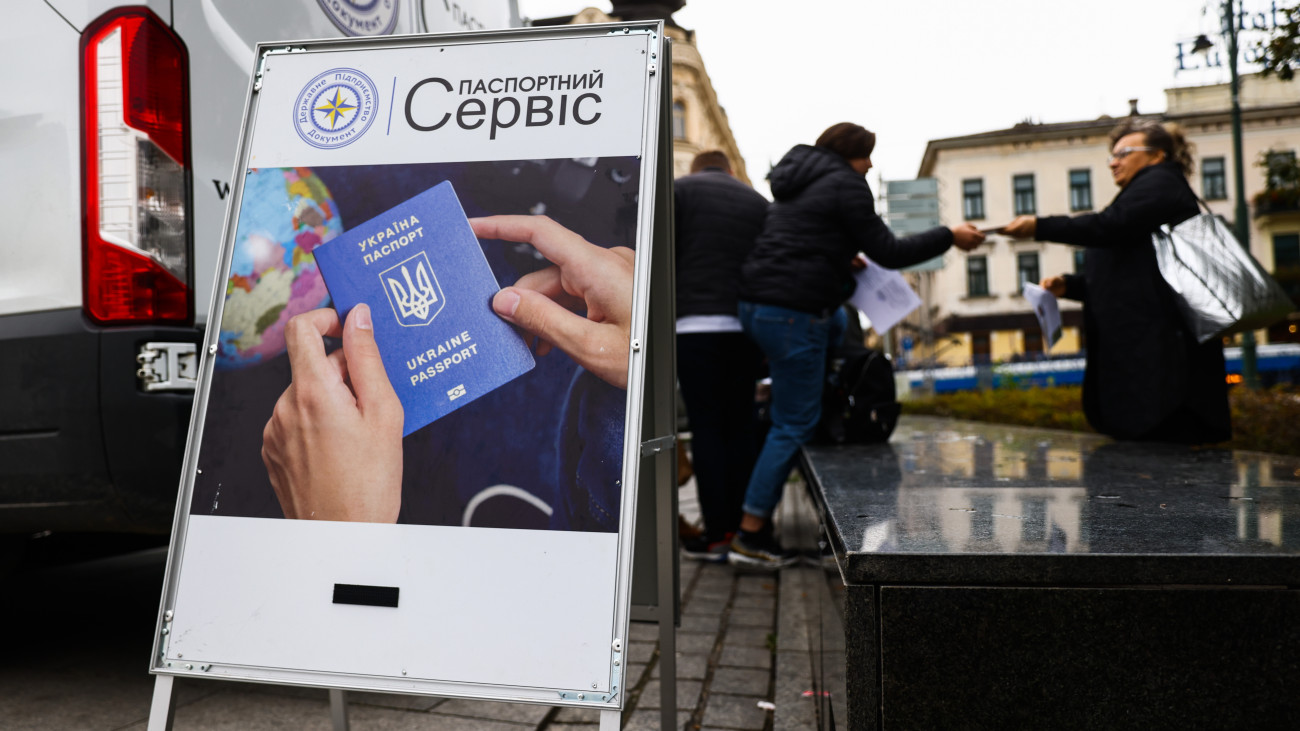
(1124, 152)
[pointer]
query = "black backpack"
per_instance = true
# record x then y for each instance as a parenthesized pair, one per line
(859, 402)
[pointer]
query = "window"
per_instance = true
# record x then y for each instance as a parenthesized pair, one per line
(1286, 258)
(1281, 168)
(1023, 187)
(1033, 341)
(1286, 251)
(679, 121)
(972, 198)
(1079, 255)
(1027, 269)
(977, 276)
(1214, 182)
(1080, 190)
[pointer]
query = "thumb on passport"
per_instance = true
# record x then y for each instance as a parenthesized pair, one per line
(365, 367)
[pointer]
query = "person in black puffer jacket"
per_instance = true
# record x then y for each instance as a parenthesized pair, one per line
(1146, 377)
(791, 289)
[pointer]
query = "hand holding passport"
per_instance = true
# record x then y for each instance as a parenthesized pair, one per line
(392, 269)
(583, 275)
(333, 447)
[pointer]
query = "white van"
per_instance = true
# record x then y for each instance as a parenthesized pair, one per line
(118, 130)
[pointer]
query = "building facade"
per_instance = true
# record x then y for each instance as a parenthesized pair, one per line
(699, 122)
(977, 311)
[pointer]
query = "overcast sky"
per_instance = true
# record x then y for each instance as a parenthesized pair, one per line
(916, 71)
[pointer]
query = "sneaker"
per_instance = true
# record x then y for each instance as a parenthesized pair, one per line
(686, 529)
(761, 550)
(701, 548)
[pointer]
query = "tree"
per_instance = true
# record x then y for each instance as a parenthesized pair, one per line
(1281, 52)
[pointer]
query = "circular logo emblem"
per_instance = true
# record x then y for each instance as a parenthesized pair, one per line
(335, 108)
(362, 17)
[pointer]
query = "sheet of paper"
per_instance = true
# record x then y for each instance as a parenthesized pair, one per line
(1049, 314)
(883, 296)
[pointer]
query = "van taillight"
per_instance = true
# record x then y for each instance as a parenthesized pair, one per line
(135, 159)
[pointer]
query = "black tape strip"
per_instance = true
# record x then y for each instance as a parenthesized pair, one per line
(370, 596)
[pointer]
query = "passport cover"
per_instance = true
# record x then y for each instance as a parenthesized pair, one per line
(419, 267)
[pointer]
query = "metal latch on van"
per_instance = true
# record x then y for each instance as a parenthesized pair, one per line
(168, 366)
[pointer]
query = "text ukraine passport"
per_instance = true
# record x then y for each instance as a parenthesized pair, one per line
(420, 269)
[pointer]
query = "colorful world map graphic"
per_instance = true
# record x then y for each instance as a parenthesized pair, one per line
(286, 213)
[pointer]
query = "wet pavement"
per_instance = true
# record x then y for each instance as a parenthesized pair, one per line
(76, 657)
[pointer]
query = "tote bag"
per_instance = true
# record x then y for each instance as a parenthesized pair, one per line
(1220, 287)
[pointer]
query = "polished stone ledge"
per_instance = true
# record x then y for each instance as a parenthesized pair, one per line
(964, 503)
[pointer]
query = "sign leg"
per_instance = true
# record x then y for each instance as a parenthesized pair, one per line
(609, 720)
(339, 709)
(663, 370)
(665, 485)
(163, 707)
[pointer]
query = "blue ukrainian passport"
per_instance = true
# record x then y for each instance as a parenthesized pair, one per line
(420, 268)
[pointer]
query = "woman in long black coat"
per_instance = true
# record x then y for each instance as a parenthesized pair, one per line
(1146, 377)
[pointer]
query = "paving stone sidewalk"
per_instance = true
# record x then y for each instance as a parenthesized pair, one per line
(744, 639)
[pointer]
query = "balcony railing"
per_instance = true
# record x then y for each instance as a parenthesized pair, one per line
(1274, 202)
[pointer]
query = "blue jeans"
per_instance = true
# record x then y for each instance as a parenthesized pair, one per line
(795, 344)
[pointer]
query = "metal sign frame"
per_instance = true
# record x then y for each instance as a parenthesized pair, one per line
(656, 590)
(168, 666)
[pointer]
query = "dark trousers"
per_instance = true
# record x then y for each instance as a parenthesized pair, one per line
(716, 373)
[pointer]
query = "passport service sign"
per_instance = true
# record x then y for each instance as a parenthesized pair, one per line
(419, 267)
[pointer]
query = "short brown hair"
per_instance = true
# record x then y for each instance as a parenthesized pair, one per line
(1167, 138)
(711, 159)
(850, 140)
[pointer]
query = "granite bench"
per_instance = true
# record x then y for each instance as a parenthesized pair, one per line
(1002, 577)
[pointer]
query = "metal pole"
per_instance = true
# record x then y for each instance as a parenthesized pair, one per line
(1249, 374)
(339, 709)
(162, 709)
(610, 720)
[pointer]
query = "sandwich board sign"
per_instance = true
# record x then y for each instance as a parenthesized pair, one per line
(454, 516)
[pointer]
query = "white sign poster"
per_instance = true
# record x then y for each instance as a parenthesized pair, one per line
(442, 16)
(415, 446)
(883, 296)
(1047, 310)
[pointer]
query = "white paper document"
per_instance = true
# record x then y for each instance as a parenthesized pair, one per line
(883, 296)
(1049, 315)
